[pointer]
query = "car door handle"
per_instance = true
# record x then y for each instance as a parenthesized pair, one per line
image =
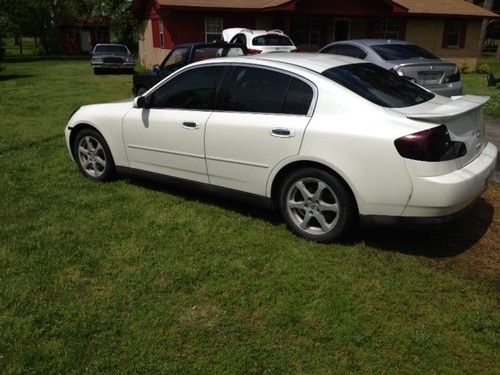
(282, 132)
(190, 125)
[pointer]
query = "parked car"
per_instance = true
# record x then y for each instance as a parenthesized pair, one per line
(106, 57)
(324, 139)
(405, 59)
(259, 41)
(182, 55)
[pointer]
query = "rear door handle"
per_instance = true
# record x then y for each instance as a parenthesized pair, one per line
(282, 132)
(190, 125)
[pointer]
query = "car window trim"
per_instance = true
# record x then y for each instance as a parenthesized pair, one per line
(314, 99)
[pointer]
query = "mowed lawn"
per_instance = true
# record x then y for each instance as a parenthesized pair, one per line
(132, 277)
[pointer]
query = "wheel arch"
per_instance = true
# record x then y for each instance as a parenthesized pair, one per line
(279, 174)
(77, 129)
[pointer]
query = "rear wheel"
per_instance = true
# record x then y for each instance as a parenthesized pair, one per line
(316, 205)
(93, 156)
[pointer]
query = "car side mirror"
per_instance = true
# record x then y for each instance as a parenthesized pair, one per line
(156, 68)
(140, 102)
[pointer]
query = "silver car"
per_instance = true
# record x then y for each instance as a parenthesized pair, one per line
(405, 59)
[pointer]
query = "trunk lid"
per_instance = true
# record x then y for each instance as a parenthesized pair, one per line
(427, 72)
(463, 117)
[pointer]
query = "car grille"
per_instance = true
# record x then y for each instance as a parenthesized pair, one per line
(113, 60)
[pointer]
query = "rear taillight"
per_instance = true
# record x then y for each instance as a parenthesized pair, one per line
(430, 145)
(453, 78)
(254, 51)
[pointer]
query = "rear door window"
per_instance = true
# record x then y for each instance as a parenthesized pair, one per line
(378, 85)
(346, 50)
(266, 91)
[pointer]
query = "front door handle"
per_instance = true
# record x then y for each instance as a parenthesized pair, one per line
(282, 132)
(190, 125)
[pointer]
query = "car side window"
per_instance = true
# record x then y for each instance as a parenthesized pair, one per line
(266, 91)
(176, 59)
(346, 50)
(298, 98)
(193, 89)
(335, 50)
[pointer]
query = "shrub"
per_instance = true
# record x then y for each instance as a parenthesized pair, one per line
(464, 68)
(483, 69)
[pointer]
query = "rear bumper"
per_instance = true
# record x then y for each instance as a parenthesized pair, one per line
(450, 89)
(447, 194)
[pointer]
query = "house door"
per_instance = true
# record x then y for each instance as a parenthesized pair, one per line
(342, 29)
(85, 42)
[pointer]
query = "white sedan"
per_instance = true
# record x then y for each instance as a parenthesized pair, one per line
(325, 139)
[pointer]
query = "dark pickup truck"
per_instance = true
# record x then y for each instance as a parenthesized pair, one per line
(183, 55)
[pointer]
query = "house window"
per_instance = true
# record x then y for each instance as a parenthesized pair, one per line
(386, 28)
(213, 29)
(71, 35)
(162, 34)
(454, 34)
(99, 36)
(305, 31)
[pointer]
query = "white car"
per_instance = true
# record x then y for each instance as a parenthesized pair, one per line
(325, 139)
(259, 41)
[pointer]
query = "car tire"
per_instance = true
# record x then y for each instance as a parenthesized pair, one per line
(317, 205)
(93, 156)
(97, 71)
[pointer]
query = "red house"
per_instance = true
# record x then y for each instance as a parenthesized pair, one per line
(448, 28)
(78, 36)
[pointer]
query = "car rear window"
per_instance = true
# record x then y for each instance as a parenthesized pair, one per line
(272, 40)
(111, 49)
(393, 52)
(378, 85)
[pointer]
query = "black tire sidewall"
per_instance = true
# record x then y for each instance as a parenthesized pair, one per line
(109, 170)
(345, 200)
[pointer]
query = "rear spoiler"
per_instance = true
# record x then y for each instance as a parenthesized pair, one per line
(457, 107)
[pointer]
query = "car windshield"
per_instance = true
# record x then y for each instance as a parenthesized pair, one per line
(393, 52)
(110, 49)
(378, 85)
(272, 40)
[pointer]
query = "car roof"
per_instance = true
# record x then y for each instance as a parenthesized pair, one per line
(213, 44)
(110, 44)
(311, 61)
(373, 42)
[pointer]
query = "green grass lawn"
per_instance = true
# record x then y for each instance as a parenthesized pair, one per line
(475, 84)
(132, 277)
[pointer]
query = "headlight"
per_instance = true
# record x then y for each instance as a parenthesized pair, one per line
(97, 59)
(130, 59)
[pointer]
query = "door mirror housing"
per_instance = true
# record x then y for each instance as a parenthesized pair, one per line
(141, 102)
(156, 68)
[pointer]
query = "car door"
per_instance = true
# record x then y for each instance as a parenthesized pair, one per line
(261, 121)
(168, 136)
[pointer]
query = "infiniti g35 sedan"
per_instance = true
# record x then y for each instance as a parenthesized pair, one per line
(325, 139)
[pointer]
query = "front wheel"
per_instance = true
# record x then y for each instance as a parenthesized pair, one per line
(317, 205)
(93, 156)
